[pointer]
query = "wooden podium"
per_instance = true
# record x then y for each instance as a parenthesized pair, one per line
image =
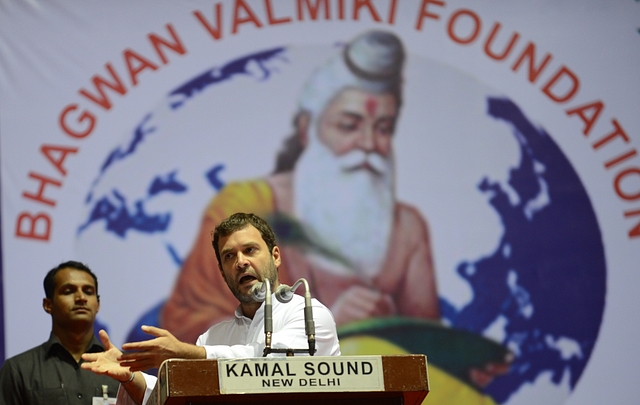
(185, 382)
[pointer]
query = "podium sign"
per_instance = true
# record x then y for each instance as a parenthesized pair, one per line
(404, 381)
(300, 374)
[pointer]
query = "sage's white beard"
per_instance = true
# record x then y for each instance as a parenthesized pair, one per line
(348, 212)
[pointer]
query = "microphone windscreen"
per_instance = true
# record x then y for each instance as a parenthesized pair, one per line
(259, 291)
(284, 293)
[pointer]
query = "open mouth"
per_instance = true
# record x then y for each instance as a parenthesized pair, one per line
(247, 278)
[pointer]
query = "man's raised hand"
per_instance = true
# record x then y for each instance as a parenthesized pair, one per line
(106, 362)
(151, 353)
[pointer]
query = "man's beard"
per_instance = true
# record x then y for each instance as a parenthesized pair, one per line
(270, 273)
(347, 208)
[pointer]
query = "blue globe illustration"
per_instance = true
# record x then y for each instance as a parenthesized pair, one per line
(547, 277)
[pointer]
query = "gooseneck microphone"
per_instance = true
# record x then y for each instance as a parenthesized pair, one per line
(284, 294)
(261, 291)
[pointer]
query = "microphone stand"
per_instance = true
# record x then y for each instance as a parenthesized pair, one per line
(268, 317)
(284, 294)
(261, 292)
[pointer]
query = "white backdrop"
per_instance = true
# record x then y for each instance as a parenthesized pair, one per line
(50, 51)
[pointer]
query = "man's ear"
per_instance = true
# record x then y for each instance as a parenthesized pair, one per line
(275, 253)
(47, 304)
(303, 119)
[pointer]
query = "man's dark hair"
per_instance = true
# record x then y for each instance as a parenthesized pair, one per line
(238, 221)
(50, 282)
(291, 149)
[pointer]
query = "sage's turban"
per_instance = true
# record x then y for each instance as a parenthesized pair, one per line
(372, 61)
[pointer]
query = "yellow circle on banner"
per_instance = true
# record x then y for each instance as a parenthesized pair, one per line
(444, 388)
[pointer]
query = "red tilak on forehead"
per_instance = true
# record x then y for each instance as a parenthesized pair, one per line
(371, 105)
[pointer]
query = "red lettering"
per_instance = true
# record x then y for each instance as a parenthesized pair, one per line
(622, 158)
(85, 117)
(33, 230)
(237, 20)
(570, 91)
(313, 10)
(635, 231)
(99, 83)
(475, 29)
(132, 59)
(392, 12)
(175, 46)
(426, 14)
(588, 113)
(272, 20)
(617, 132)
(618, 187)
(341, 9)
(215, 32)
(40, 195)
(506, 51)
(529, 54)
(56, 155)
(365, 3)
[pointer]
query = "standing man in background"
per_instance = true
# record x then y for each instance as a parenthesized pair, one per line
(50, 374)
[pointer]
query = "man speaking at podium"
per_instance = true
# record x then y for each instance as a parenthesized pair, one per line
(247, 254)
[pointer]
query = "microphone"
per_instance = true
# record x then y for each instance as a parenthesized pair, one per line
(284, 294)
(259, 291)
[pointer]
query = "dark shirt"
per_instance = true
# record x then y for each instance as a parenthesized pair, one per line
(49, 375)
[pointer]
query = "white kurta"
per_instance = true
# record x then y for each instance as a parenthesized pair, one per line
(241, 337)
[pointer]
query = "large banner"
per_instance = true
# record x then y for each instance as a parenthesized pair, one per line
(454, 178)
